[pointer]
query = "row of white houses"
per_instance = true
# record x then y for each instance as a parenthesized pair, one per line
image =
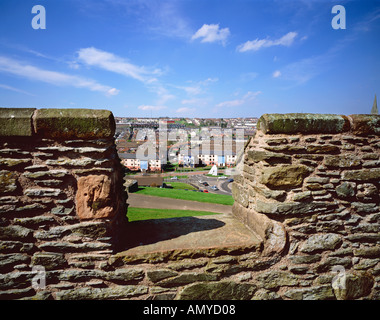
(186, 158)
(130, 161)
(209, 158)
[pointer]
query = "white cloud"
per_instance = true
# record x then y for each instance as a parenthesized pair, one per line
(287, 40)
(167, 19)
(255, 45)
(6, 87)
(151, 108)
(113, 92)
(52, 77)
(212, 33)
(249, 76)
(192, 90)
(110, 62)
(197, 87)
(231, 103)
(276, 74)
(195, 101)
(249, 96)
(304, 70)
(162, 17)
(163, 94)
(73, 65)
(185, 110)
(207, 81)
(113, 63)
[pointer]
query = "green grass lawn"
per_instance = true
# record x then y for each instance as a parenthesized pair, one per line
(168, 179)
(137, 214)
(187, 195)
(181, 186)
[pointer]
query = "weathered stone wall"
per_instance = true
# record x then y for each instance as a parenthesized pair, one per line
(61, 195)
(310, 188)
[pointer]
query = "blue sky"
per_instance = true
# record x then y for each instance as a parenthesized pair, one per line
(191, 58)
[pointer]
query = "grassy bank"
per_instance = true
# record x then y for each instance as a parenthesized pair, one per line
(168, 178)
(137, 214)
(187, 195)
(181, 186)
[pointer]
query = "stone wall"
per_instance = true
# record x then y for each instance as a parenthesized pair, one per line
(61, 195)
(310, 188)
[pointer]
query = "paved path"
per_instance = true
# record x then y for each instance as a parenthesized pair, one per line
(144, 201)
(180, 238)
(187, 237)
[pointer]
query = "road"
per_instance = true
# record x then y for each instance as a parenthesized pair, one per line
(194, 177)
(223, 185)
(144, 201)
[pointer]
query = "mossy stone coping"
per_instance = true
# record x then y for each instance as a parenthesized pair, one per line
(57, 123)
(16, 122)
(74, 123)
(308, 123)
(364, 124)
(303, 123)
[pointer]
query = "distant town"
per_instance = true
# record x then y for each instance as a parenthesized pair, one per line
(167, 144)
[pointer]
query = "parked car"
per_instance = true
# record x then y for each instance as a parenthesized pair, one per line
(205, 190)
(215, 188)
(174, 178)
(200, 190)
(222, 177)
(230, 180)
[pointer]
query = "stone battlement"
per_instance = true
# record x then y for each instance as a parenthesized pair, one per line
(60, 124)
(307, 123)
(310, 187)
(306, 205)
(61, 192)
